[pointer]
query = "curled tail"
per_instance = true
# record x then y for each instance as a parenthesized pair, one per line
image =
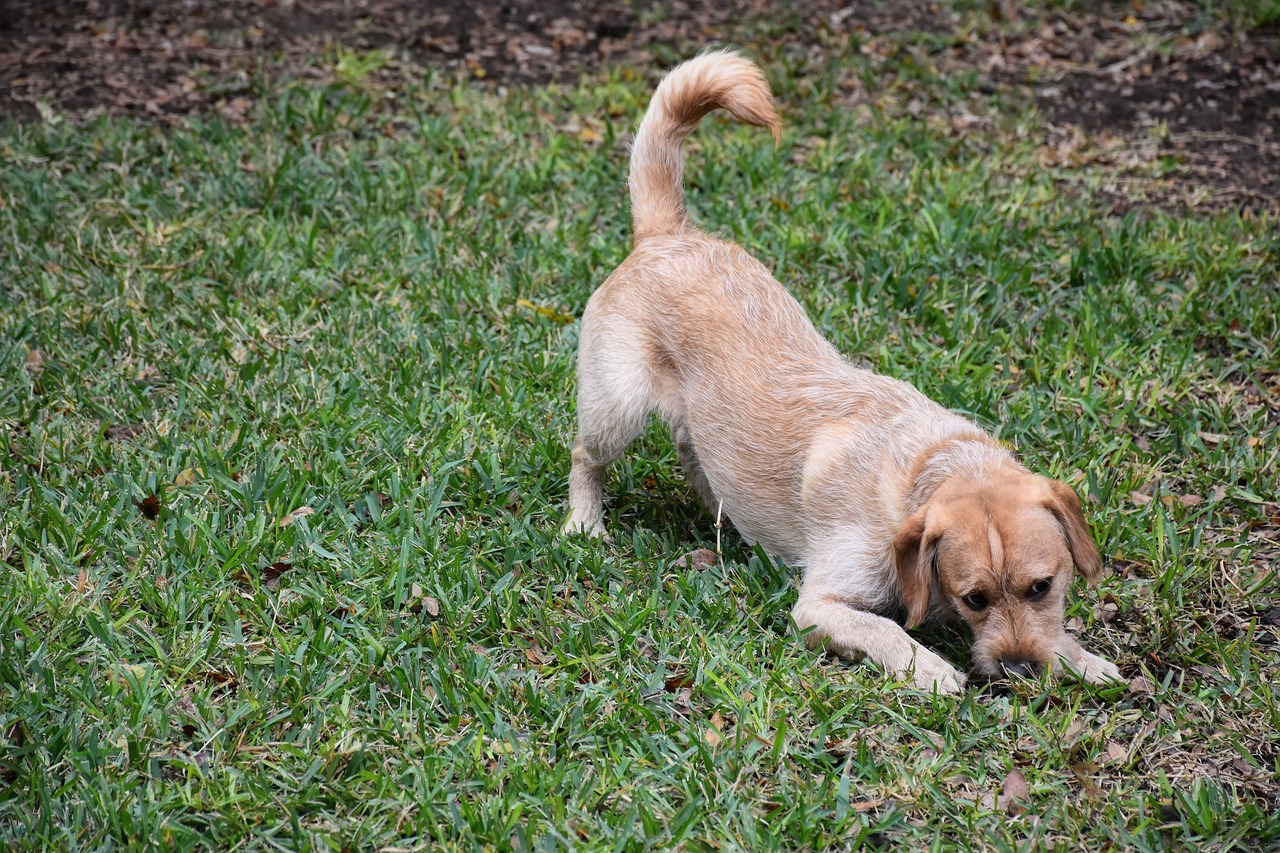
(693, 89)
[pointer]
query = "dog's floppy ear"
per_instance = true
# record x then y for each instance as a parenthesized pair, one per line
(1065, 506)
(913, 553)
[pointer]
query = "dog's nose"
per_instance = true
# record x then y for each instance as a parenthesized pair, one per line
(1020, 667)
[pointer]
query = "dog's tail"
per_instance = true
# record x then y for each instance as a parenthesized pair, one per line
(721, 79)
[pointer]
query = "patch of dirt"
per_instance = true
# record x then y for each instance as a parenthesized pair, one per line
(1181, 112)
(1203, 108)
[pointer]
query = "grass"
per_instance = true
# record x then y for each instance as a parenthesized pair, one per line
(363, 305)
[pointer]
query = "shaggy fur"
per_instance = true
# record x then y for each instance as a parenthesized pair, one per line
(892, 505)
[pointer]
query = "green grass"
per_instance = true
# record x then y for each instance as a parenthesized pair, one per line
(329, 308)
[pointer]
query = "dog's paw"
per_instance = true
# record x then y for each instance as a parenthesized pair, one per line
(929, 672)
(594, 530)
(1094, 669)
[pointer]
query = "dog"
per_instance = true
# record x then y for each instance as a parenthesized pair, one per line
(891, 505)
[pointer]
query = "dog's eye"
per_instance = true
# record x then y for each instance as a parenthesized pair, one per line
(1039, 589)
(975, 601)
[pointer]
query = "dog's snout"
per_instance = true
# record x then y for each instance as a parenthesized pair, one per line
(1020, 667)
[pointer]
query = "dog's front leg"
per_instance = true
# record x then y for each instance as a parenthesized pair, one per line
(855, 634)
(1085, 665)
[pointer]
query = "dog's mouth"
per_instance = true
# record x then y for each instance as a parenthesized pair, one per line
(1007, 669)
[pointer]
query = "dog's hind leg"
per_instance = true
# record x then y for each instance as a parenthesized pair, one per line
(693, 468)
(615, 397)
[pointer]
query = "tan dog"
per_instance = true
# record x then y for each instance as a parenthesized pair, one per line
(890, 503)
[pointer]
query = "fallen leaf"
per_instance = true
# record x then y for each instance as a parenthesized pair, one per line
(122, 675)
(1116, 752)
(300, 512)
(549, 313)
(150, 506)
(124, 432)
(1015, 785)
(275, 570)
(185, 477)
(699, 560)
(1014, 790)
(712, 737)
(1074, 729)
(1139, 499)
(419, 602)
(1141, 685)
(1090, 787)
(677, 682)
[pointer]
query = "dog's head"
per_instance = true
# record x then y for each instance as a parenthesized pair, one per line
(999, 551)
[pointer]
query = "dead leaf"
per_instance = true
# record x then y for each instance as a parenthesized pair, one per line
(1141, 685)
(1014, 792)
(419, 602)
(124, 432)
(699, 560)
(1087, 785)
(185, 477)
(549, 313)
(677, 682)
(712, 737)
(127, 670)
(300, 512)
(1116, 752)
(275, 570)
(536, 656)
(1139, 499)
(1074, 729)
(150, 506)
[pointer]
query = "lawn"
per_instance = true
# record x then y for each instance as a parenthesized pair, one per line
(284, 427)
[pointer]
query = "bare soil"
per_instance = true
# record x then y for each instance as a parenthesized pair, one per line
(1186, 110)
